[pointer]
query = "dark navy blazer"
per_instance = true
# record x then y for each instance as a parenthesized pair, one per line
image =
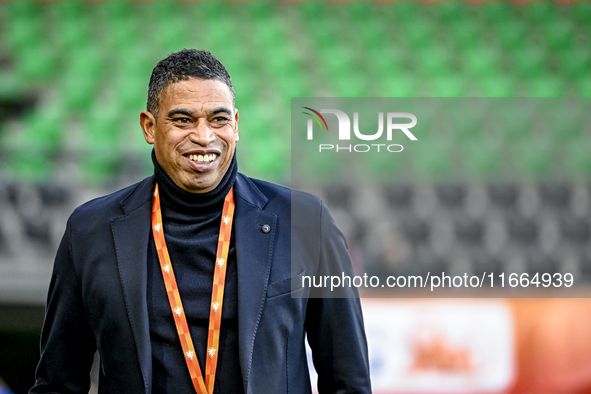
(97, 297)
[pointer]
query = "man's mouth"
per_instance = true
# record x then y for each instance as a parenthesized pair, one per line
(203, 158)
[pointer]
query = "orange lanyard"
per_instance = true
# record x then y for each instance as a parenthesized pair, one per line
(217, 294)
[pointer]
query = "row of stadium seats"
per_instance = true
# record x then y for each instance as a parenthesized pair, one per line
(395, 229)
(87, 64)
(405, 229)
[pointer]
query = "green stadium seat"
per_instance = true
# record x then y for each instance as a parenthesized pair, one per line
(16, 9)
(31, 167)
(323, 35)
(449, 85)
(98, 169)
(483, 159)
(212, 7)
(36, 63)
(512, 33)
(82, 78)
(44, 129)
(496, 11)
(371, 34)
(405, 10)
(294, 86)
(88, 61)
(348, 86)
(399, 86)
(480, 62)
(255, 120)
(540, 11)
(575, 61)
(420, 31)
(469, 124)
(270, 35)
(282, 63)
(583, 85)
(529, 61)
(131, 92)
(274, 159)
(338, 62)
(581, 11)
(534, 159)
(387, 62)
(314, 10)
(32, 151)
(518, 121)
(100, 156)
(546, 86)
(382, 168)
(360, 10)
(567, 119)
(450, 11)
(464, 33)
(433, 61)
(434, 160)
(497, 85)
(558, 32)
(10, 85)
(20, 35)
(102, 125)
(79, 91)
(261, 10)
(74, 33)
(578, 159)
(222, 34)
(163, 9)
(116, 9)
(69, 9)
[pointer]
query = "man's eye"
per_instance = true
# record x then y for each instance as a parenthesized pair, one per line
(220, 119)
(182, 120)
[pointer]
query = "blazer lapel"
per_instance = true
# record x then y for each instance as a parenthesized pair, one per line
(131, 234)
(254, 249)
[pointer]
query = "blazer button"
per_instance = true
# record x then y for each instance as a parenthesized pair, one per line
(266, 228)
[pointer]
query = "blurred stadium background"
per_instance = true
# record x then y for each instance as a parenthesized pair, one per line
(73, 79)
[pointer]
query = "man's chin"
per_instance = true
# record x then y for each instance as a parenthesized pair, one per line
(201, 186)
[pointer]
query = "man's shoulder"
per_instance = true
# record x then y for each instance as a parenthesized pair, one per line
(112, 205)
(277, 193)
(278, 197)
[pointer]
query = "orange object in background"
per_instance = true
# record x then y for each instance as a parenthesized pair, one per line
(479, 345)
(553, 338)
(436, 354)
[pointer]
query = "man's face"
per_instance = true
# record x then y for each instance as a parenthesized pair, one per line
(195, 133)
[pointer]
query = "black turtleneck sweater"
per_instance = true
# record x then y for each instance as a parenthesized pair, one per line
(191, 228)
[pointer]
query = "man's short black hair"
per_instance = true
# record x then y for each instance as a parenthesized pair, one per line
(181, 66)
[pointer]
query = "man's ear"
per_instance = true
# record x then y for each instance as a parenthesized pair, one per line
(236, 136)
(148, 124)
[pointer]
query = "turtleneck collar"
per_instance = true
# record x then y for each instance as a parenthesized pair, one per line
(193, 204)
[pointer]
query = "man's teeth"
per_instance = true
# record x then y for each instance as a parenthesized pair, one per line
(203, 158)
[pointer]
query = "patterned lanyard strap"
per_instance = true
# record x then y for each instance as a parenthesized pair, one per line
(217, 294)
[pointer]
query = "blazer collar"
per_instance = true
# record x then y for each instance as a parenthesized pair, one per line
(254, 251)
(138, 195)
(245, 189)
(131, 233)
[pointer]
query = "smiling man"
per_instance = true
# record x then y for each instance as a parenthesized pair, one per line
(194, 131)
(186, 282)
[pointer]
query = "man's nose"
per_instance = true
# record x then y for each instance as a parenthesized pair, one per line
(202, 133)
